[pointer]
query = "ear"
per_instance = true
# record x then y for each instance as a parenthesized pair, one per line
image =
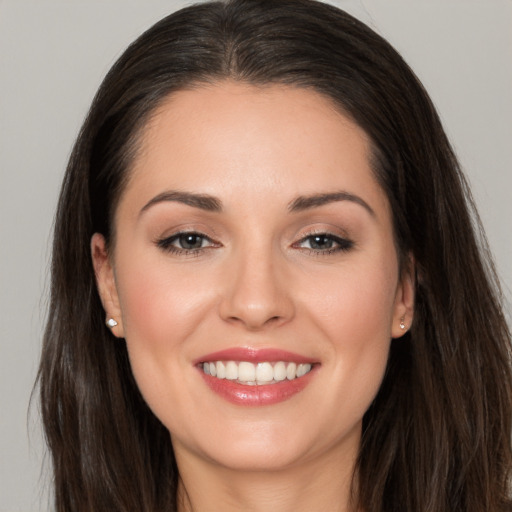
(105, 282)
(404, 300)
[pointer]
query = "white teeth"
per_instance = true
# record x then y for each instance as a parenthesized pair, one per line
(264, 372)
(291, 371)
(221, 370)
(252, 374)
(279, 371)
(231, 370)
(246, 372)
(302, 369)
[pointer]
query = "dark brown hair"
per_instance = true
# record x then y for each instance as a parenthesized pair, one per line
(437, 436)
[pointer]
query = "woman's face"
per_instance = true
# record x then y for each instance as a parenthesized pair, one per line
(253, 242)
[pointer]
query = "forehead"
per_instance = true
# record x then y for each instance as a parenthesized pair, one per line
(226, 138)
(236, 105)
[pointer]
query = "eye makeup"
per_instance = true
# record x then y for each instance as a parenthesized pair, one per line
(324, 243)
(186, 243)
(318, 243)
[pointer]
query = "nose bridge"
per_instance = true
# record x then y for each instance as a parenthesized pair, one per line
(256, 294)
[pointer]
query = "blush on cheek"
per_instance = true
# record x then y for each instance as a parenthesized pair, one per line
(161, 307)
(139, 312)
(353, 308)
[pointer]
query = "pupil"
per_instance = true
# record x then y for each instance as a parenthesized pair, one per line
(321, 242)
(190, 241)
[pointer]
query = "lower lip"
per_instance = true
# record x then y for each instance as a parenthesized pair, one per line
(257, 395)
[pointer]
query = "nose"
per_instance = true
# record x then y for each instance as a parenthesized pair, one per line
(256, 294)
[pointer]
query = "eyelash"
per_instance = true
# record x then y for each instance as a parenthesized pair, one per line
(342, 244)
(167, 244)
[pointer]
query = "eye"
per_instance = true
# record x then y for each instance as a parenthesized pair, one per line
(324, 243)
(189, 241)
(186, 243)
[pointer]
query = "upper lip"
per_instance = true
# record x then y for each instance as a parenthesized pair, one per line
(254, 355)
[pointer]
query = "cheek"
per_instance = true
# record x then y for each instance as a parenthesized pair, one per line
(358, 301)
(161, 311)
(356, 315)
(159, 306)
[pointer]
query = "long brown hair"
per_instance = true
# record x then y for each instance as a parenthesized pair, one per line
(437, 437)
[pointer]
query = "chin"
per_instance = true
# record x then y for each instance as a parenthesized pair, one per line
(269, 446)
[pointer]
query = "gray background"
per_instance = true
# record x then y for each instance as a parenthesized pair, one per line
(53, 55)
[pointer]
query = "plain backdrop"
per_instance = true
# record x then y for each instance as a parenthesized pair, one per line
(53, 55)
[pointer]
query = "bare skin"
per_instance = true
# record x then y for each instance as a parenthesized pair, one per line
(252, 220)
(294, 489)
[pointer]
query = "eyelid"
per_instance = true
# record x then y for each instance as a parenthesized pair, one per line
(166, 242)
(344, 243)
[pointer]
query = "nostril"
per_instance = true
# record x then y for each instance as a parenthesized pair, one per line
(255, 297)
(256, 323)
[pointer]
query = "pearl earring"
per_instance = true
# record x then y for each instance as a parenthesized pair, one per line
(402, 323)
(111, 323)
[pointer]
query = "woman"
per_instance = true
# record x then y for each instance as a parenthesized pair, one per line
(263, 208)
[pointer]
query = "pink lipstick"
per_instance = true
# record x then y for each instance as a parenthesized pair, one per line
(247, 376)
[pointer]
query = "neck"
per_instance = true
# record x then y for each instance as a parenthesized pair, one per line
(316, 485)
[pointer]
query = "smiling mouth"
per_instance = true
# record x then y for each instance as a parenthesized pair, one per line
(256, 374)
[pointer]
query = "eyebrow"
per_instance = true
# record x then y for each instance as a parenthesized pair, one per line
(314, 201)
(212, 204)
(201, 201)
